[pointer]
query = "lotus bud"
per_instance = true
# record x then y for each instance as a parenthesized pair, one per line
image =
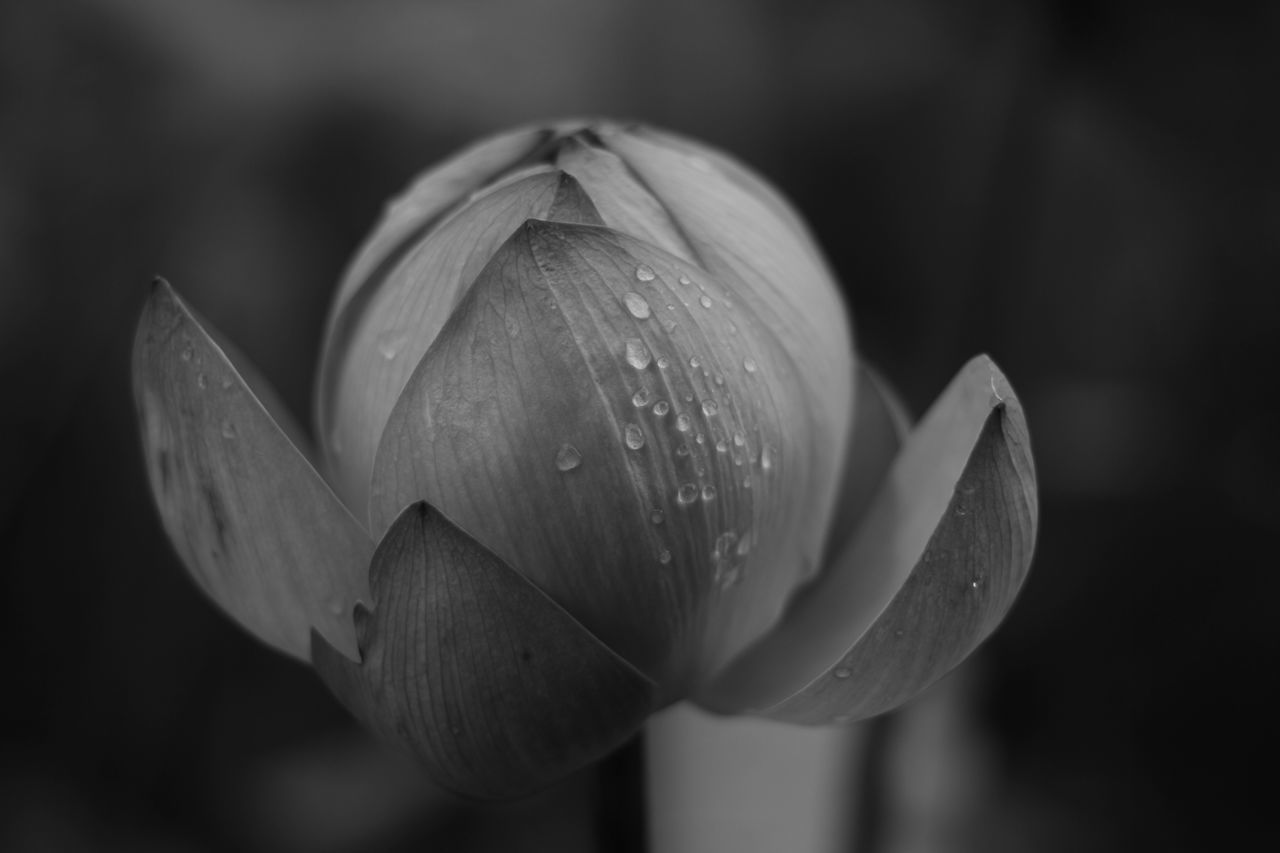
(594, 439)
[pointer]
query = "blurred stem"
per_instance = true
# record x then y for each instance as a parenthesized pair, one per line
(620, 815)
(739, 785)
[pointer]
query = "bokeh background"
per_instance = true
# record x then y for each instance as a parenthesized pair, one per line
(1089, 191)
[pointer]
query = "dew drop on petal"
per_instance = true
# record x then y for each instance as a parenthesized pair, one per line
(202, 381)
(687, 494)
(634, 436)
(663, 362)
(226, 383)
(656, 516)
(682, 450)
(841, 672)
(638, 355)
(749, 364)
(708, 492)
(695, 362)
(704, 301)
(661, 408)
(683, 422)
(637, 305)
(389, 344)
(664, 556)
(710, 408)
(700, 438)
(644, 272)
(722, 446)
(568, 457)
(187, 352)
(641, 398)
(228, 429)
(766, 457)
(684, 279)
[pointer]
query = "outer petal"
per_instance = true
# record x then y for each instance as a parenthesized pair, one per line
(398, 320)
(931, 572)
(745, 235)
(255, 525)
(632, 445)
(493, 686)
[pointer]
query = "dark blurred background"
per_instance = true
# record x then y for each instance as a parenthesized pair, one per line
(1089, 191)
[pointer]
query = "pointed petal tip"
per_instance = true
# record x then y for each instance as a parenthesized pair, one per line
(476, 672)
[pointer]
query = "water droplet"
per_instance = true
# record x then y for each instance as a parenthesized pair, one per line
(202, 381)
(389, 343)
(644, 272)
(687, 494)
(719, 379)
(226, 383)
(842, 672)
(638, 355)
(683, 422)
(704, 301)
(568, 457)
(695, 362)
(740, 439)
(749, 364)
(656, 516)
(228, 429)
(664, 556)
(746, 482)
(634, 436)
(962, 511)
(513, 327)
(670, 307)
(974, 584)
(898, 633)
(710, 408)
(663, 362)
(766, 457)
(744, 546)
(661, 408)
(641, 398)
(636, 305)
(187, 352)
(684, 279)
(700, 438)
(722, 446)
(688, 398)
(708, 492)
(683, 451)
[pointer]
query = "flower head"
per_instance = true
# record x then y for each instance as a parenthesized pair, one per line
(593, 393)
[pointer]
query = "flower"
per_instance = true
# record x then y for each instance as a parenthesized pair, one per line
(593, 392)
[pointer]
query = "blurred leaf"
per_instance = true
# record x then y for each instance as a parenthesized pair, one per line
(490, 683)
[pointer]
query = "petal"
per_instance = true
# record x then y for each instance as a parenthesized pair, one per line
(633, 445)
(879, 425)
(931, 572)
(433, 194)
(383, 342)
(624, 203)
(254, 523)
(493, 686)
(746, 236)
